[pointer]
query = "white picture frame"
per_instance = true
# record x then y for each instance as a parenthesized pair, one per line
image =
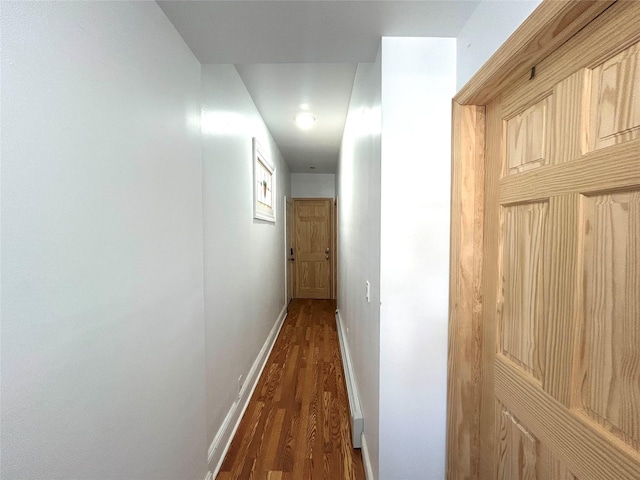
(264, 185)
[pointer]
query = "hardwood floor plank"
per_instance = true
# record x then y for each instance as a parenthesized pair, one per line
(272, 453)
(296, 426)
(326, 422)
(288, 446)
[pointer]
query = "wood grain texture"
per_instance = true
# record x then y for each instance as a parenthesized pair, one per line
(581, 412)
(313, 242)
(595, 172)
(615, 99)
(490, 280)
(527, 137)
(517, 450)
(561, 280)
(591, 454)
(523, 254)
(546, 29)
(297, 423)
(569, 128)
(551, 468)
(610, 385)
(612, 31)
(463, 387)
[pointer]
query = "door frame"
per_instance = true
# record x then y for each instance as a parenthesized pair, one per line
(547, 28)
(289, 277)
(334, 264)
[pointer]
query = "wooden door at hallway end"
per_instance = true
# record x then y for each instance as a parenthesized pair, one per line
(553, 381)
(312, 251)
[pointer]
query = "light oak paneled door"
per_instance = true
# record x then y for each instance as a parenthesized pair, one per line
(559, 366)
(313, 240)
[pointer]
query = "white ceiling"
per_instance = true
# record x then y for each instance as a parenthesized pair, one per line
(294, 52)
(278, 90)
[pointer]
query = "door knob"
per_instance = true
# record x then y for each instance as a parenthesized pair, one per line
(326, 250)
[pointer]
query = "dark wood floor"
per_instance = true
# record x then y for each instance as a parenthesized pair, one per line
(297, 423)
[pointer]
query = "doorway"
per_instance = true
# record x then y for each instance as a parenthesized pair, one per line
(545, 291)
(288, 247)
(313, 248)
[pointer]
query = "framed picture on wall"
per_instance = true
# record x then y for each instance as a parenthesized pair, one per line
(264, 185)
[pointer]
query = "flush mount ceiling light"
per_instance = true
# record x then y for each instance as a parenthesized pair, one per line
(305, 120)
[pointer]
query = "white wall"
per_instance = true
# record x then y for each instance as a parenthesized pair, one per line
(243, 257)
(492, 22)
(418, 81)
(359, 245)
(313, 185)
(102, 282)
(394, 192)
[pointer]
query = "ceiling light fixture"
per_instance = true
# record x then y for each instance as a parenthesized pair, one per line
(304, 120)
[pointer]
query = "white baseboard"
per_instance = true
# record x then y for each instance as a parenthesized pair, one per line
(227, 430)
(357, 420)
(366, 460)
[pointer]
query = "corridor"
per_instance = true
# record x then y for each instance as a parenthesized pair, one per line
(151, 152)
(297, 423)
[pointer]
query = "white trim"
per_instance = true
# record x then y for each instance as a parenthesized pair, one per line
(232, 420)
(260, 157)
(357, 419)
(209, 476)
(366, 460)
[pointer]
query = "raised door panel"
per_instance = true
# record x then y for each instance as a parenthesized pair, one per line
(522, 285)
(517, 449)
(521, 455)
(615, 99)
(569, 135)
(561, 277)
(527, 137)
(610, 360)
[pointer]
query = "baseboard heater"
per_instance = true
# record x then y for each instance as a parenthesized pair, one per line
(357, 421)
